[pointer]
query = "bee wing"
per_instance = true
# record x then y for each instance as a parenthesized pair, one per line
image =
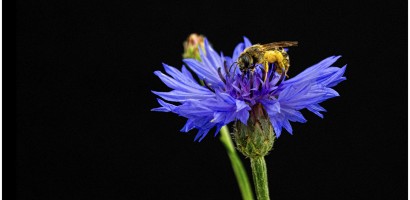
(275, 45)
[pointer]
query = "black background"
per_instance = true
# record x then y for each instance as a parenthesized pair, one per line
(85, 72)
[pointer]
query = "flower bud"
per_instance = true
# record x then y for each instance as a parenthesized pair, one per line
(256, 138)
(191, 46)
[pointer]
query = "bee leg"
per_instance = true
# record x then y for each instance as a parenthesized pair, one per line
(265, 73)
(282, 76)
(283, 69)
(251, 78)
(251, 82)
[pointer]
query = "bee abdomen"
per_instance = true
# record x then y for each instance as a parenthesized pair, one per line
(286, 60)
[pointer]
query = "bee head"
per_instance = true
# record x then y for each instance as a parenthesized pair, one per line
(245, 61)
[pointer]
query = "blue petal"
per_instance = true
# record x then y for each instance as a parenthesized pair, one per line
(218, 128)
(237, 51)
(166, 107)
(187, 73)
(247, 42)
(183, 86)
(215, 60)
(335, 77)
(188, 126)
(184, 78)
(293, 115)
(204, 72)
(180, 96)
(243, 116)
(306, 90)
(313, 72)
(287, 126)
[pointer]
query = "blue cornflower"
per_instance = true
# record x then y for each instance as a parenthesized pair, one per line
(228, 95)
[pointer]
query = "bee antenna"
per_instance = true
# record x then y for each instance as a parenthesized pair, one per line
(232, 65)
(234, 71)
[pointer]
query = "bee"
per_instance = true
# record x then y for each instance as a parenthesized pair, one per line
(265, 54)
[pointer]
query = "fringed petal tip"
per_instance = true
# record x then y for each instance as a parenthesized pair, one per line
(246, 42)
(166, 107)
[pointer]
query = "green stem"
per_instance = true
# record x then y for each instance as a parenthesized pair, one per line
(239, 170)
(260, 178)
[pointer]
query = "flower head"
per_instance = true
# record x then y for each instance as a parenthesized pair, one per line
(192, 45)
(228, 95)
